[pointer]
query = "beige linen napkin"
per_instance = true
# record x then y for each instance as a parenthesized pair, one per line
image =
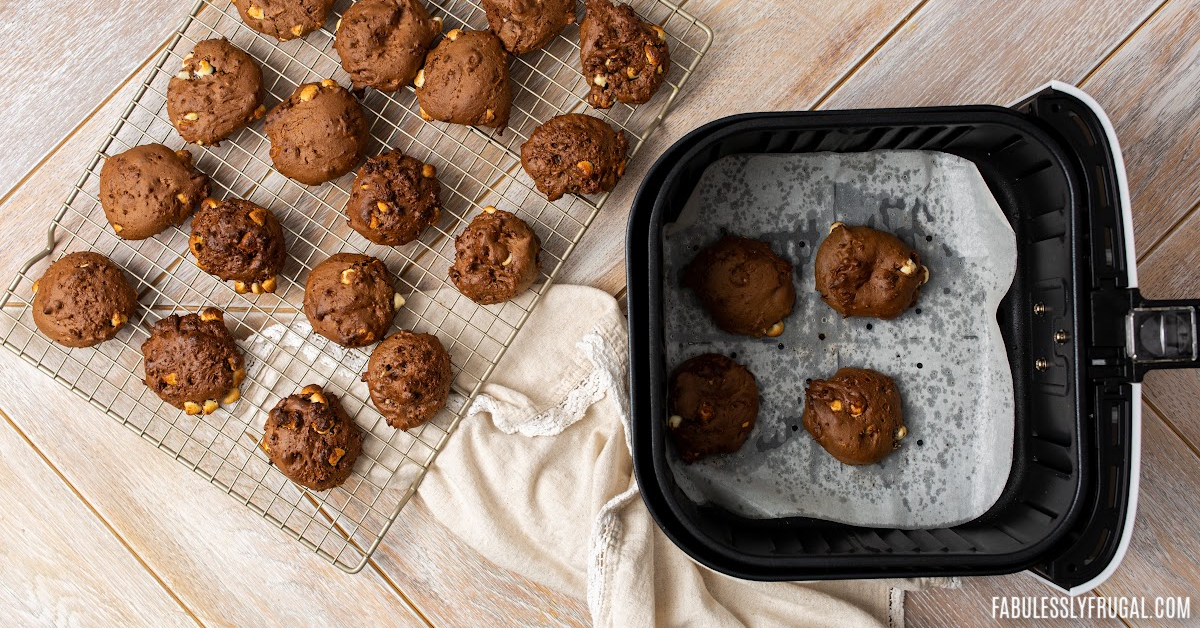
(539, 479)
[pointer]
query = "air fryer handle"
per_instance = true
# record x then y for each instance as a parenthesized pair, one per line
(1163, 334)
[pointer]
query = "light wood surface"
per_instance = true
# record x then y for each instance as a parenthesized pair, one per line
(114, 533)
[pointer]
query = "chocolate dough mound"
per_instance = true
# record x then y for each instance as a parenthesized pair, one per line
(864, 272)
(713, 405)
(218, 90)
(496, 258)
(855, 415)
(382, 43)
(624, 57)
(149, 188)
(310, 438)
(192, 361)
(82, 300)
(349, 299)
(284, 19)
(744, 286)
(318, 134)
(393, 199)
(465, 81)
(239, 241)
(409, 378)
(574, 153)
(527, 25)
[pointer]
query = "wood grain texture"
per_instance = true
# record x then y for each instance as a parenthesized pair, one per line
(989, 51)
(74, 54)
(62, 566)
(220, 559)
(765, 56)
(972, 605)
(1151, 90)
(1164, 556)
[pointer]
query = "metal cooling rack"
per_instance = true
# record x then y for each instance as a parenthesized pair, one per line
(476, 169)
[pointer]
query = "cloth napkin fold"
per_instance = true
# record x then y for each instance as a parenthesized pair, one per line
(539, 479)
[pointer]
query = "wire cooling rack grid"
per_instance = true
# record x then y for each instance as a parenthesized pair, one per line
(476, 169)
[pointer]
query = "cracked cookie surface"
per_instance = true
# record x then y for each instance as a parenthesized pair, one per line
(309, 437)
(192, 362)
(218, 90)
(82, 300)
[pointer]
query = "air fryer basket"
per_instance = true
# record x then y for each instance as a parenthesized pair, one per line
(1064, 507)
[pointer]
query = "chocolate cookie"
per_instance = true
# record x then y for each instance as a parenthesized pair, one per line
(149, 188)
(312, 441)
(855, 415)
(465, 81)
(409, 378)
(624, 57)
(382, 43)
(239, 241)
(713, 404)
(218, 90)
(864, 272)
(527, 25)
(284, 19)
(318, 134)
(744, 286)
(192, 361)
(393, 199)
(349, 299)
(574, 153)
(496, 258)
(82, 300)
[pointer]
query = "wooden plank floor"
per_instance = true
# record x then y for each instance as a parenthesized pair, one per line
(111, 532)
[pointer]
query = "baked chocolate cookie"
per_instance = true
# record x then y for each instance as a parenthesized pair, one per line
(409, 378)
(284, 19)
(239, 241)
(82, 300)
(349, 299)
(713, 404)
(496, 258)
(855, 415)
(744, 286)
(394, 198)
(864, 272)
(527, 25)
(465, 81)
(625, 58)
(218, 90)
(382, 43)
(318, 134)
(192, 361)
(149, 188)
(574, 153)
(312, 441)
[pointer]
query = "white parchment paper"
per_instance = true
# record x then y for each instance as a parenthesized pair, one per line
(946, 356)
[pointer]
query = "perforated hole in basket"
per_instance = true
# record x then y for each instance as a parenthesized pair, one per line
(476, 168)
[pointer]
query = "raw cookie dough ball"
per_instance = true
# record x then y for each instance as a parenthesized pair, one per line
(744, 286)
(318, 134)
(713, 405)
(382, 43)
(218, 90)
(192, 361)
(527, 25)
(284, 19)
(149, 188)
(574, 153)
(349, 299)
(239, 241)
(465, 81)
(82, 300)
(624, 57)
(312, 441)
(864, 272)
(496, 258)
(393, 199)
(409, 378)
(855, 415)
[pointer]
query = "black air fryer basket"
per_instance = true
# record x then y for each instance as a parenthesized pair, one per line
(1078, 334)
